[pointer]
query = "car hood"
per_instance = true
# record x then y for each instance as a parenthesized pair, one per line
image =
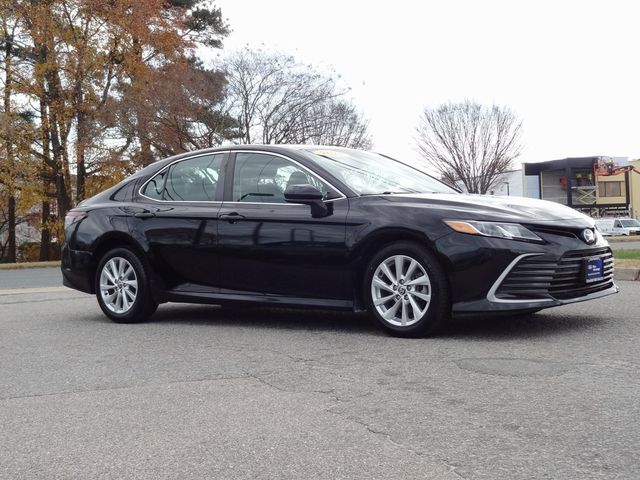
(490, 207)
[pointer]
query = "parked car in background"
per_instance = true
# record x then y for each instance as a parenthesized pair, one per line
(618, 226)
(326, 227)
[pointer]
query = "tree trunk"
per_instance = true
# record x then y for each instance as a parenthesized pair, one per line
(81, 171)
(57, 136)
(53, 131)
(45, 233)
(8, 90)
(139, 92)
(81, 129)
(59, 164)
(11, 247)
(145, 147)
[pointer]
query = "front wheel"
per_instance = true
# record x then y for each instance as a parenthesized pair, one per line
(406, 290)
(122, 287)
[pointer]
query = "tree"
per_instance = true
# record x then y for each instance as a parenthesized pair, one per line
(73, 67)
(19, 189)
(186, 111)
(469, 143)
(7, 32)
(279, 100)
(159, 36)
(335, 122)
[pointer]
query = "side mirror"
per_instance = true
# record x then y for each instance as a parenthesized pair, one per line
(308, 195)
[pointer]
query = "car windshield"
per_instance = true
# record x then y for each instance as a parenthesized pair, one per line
(369, 173)
(630, 223)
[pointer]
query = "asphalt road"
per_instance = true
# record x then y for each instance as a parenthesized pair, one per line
(30, 278)
(202, 392)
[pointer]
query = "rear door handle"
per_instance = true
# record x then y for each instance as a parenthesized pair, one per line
(231, 217)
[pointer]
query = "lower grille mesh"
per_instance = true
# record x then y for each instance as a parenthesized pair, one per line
(537, 277)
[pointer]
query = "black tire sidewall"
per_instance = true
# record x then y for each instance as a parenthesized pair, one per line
(439, 308)
(143, 305)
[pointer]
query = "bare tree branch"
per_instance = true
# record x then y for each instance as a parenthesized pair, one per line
(469, 143)
(278, 100)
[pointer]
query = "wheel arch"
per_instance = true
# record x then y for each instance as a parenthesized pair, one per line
(379, 239)
(109, 241)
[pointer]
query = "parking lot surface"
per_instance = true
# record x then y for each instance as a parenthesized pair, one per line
(205, 392)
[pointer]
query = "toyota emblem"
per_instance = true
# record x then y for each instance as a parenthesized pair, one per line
(588, 236)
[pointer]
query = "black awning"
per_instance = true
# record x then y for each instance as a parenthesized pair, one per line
(571, 162)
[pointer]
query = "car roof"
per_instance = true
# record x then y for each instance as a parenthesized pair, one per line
(262, 147)
(279, 148)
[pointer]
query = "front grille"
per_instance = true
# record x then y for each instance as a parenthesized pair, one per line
(563, 232)
(567, 281)
(537, 277)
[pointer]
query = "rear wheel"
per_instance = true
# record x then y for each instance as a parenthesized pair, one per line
(406, 290)
(122, 287)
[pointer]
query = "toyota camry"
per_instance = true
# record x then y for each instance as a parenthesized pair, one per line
(330, 228)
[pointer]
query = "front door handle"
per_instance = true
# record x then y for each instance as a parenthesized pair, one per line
(232, 217)
(145, 214)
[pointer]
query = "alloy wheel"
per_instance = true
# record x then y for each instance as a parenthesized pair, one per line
(118, 285)
(401, 290)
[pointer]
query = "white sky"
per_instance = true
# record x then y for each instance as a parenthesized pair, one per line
(569, 69)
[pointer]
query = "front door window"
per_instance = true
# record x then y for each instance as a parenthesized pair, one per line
(263, 178)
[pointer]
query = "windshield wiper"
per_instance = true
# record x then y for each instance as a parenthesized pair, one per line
(386, 192)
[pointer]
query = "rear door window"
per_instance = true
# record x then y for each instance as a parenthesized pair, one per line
(192, 180)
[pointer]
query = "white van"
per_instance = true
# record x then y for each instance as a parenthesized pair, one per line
(618, 226)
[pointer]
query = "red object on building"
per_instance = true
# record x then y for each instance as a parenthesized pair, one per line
(605, 167)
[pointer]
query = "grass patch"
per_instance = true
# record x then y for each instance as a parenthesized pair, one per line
(624, 254)
(623, 238)
(627, 258)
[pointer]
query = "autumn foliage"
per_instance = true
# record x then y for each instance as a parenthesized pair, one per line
(94, 89)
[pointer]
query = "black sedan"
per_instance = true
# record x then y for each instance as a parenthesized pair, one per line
(326, 227)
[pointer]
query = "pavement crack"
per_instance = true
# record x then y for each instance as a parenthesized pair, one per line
(451, 473)
(332, 394)
(125, 387)
(264, 382)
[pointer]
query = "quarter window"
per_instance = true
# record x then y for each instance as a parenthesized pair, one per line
(262, 178)
(192, 180)
(155, 187)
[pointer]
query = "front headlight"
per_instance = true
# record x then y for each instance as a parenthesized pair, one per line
(512, 231)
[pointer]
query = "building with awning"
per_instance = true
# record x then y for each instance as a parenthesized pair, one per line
(586, 184)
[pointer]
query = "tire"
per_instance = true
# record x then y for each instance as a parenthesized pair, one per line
(129, 299)
(424, 304)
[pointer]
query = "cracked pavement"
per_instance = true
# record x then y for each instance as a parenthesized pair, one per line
(204, 392)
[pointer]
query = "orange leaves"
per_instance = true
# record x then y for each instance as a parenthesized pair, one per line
(103, 78)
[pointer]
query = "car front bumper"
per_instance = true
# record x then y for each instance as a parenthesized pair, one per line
(486, 305)
(498, 275)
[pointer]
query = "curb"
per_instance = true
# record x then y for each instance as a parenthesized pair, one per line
(626, 274)
(20, 266)
(21, 291)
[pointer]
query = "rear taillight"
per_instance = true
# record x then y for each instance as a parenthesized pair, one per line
(74, 216)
